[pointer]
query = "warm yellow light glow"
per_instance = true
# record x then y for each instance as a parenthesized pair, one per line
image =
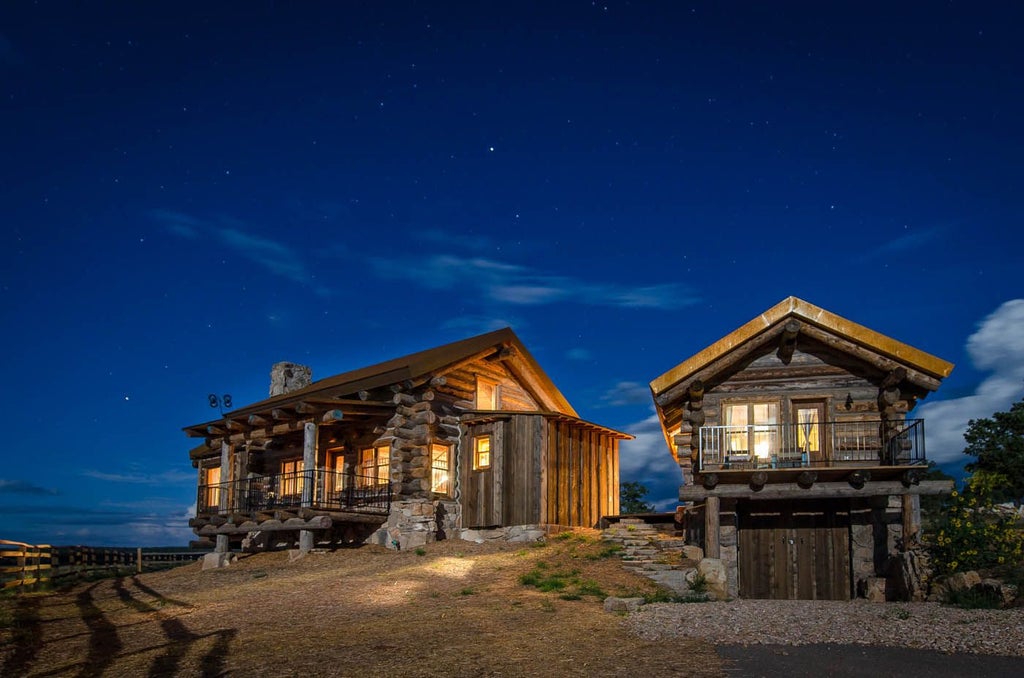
(486, 394)
(482, 453)
(762, 449)
(439, 467)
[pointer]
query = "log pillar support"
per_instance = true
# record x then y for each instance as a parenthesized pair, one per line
(787, 341)
(309, 436)
(911, 518)
(223, 543)
(712, 510)
(305, 541)
(225, 473)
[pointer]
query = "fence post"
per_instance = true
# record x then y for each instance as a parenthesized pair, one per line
(138, 560)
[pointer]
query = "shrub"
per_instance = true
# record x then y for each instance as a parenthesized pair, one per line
(973, 535)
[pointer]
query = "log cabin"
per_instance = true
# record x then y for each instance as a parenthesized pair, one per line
(802, 471)
(467, 439)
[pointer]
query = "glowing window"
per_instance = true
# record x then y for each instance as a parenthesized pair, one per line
(481, 453)
(752, 427)
(374, 466)
(291, 477)
(211, 489)
(440, 467)
(486, 394)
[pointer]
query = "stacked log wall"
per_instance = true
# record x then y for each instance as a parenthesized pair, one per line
(849, 390)
(460, 385)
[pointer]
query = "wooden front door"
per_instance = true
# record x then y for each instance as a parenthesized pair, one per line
(794, 550)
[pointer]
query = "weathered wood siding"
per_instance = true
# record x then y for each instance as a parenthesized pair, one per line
(543, 470)
(794, 550)
(460, 384)
(582, 475)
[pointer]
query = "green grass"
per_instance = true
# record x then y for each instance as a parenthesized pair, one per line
(610, 551)
(567, 583)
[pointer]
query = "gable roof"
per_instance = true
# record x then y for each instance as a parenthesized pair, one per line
(927, 368)
(420, 367)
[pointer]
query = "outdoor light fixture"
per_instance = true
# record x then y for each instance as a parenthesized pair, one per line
(849, 401)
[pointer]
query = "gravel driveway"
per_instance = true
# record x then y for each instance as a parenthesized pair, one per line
(925, 626)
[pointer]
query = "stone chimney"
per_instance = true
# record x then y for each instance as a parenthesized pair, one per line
(288, 377)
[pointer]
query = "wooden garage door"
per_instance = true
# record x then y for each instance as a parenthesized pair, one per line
(794, 550)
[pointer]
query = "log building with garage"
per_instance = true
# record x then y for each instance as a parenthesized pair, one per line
(467, 439)
(802, 470)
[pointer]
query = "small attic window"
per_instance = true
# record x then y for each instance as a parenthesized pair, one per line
(487, 395)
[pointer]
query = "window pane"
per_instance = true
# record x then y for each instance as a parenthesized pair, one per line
(486, 394)
(439, 468)
(482, 453)
(807, 429)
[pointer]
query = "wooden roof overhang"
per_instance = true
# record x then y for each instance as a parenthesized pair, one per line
(490, 416)
(360, 394)
(670, 391)
(255, 425)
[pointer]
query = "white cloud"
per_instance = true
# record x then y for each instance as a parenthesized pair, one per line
(513, 284)
(647, 460)
(627, 393)
(272, 255)
(998, 347)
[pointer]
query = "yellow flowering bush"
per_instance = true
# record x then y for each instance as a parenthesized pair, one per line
(972, 535)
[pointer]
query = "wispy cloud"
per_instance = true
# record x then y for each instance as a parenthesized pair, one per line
(647, 460)
(627, 393)
(23, 487)
(997, 347)
(519, 285)
(142, 478)
(274, 256)
(579, 353)
(907, 240)
(161, 524)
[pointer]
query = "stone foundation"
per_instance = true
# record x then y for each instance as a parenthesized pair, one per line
(515, 533)
(415, 522)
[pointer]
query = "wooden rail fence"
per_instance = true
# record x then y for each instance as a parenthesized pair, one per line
(30, 566)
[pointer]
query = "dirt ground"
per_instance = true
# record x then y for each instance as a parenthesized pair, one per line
(453, 608)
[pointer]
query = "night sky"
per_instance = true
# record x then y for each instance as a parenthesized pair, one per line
(191, 192)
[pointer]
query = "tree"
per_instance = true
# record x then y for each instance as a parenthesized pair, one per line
(998, 444)
(631, 498)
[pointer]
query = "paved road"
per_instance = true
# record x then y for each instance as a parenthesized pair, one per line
(847, 661)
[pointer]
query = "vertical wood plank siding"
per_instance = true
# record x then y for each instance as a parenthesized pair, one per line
(543, 470)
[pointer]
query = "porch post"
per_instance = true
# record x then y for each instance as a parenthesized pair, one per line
(711, 523)
(911, 518)
(225, 474)
(223, 541)
(309, 436)
(309, 431)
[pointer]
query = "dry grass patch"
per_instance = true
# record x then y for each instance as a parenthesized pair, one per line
(453, 608)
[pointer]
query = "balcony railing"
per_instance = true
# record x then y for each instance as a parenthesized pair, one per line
(318, 489)
(830, 443)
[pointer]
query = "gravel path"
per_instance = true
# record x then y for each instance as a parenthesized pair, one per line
(927, 626)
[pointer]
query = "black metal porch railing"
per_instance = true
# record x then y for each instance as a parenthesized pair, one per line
(317, 489)
(821, 444)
